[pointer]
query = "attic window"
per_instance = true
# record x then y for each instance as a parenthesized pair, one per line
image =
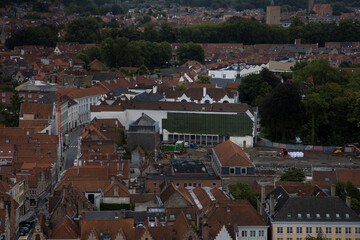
(337, 215)
(172, 216)
(299, 215)
(289, 215)
(327, 180)
(188, 216)
(347, 215)
(7, 141)
(317, 215)
(327, 215)
(308, 215)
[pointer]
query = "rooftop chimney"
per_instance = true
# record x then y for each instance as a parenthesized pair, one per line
(332, 191)
(271, 204)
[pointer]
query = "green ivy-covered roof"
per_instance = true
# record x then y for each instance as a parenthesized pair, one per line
(218, 124)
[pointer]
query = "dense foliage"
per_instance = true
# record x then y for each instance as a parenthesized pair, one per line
(11, 113)
(293, 175)
(44, 35)
(243, 191)
(343, 189)
(318, 103)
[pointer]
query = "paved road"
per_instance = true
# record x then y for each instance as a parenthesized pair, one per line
(71, 149)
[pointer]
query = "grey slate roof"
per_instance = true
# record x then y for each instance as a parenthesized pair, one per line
(321, 209)
(144, 120)
(98, 76)
(148, 97)
(118, 91)
(221, 82)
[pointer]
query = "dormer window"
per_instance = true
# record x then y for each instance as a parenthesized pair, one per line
(289, 215)
(347, 215)
(299, 215)
(337, 215)
(317, 215)
(327, 215)
(308, 215)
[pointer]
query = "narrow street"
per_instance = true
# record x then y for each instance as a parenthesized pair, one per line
(69, 154)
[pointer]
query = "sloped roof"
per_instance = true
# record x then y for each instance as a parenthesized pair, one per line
(230, 154)
(66, 229)
(144, 120)
(313, 206)
(43, 111)
(231, 212)
(352, 175)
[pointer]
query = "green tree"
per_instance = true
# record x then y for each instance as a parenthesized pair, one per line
(180, 88)
(293, 175)
(269, 77)
(204, 79)
(342, 190)
(243, 191)
(11, 113)
(253, 89)
(316, 106)
(281, 112)
(83, 56)
(320, 236)
(83, 30)
(190, 51)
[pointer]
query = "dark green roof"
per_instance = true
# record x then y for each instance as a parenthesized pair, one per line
(218, 124)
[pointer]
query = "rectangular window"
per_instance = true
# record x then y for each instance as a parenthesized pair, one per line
(289, 239)
(3, 94)
(309, 230)
(214, 185)
(298, 229)
(280, 239)
(318, 230)
(244, 233)
(348, 230)
(185, 184)
(172, 216)
(261, 233)
(194, 184)
(154, 185)
(279, 230)
(289, 230)
(4, 100)
(328, 229)
(29, 95)
(232, 170)
(252, 233)
(357, 230)
(243, 171)
(338, 230)
(298, 238)
(347, 238)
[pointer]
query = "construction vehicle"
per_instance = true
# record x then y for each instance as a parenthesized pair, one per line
(337, 150)
(177, 148)
(356, 150)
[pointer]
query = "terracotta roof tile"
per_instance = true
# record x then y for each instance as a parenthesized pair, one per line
(230, 154)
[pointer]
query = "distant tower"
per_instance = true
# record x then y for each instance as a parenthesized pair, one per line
(311, 5)
(273, 14)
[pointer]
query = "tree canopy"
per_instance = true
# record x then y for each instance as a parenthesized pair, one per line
(243, 191)
(190, 51)
(293, 175)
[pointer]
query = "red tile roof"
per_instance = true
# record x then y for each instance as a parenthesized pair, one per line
(230, 154)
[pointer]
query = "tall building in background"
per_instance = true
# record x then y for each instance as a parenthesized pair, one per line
(311, 5)
(273, 14)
